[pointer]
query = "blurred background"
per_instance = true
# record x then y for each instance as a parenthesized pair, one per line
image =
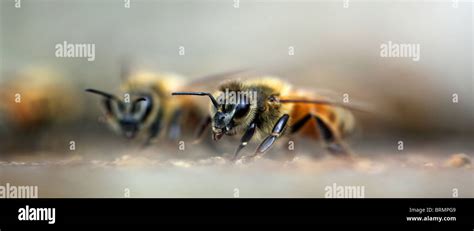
(336, 49)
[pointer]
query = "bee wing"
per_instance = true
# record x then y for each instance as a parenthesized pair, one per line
(211, 81)
(359, 107)
(331, 97)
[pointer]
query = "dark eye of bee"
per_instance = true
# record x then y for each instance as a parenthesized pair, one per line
(121, 106)
(141, 108)
(241, 109)
(116, 108)
(137, 106)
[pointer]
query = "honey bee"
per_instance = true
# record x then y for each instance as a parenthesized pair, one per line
(37, 97)
(145, 109)
(33, 101)
(276, 110)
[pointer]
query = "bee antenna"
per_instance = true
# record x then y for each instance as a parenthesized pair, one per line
(104, 94)
(214, 101)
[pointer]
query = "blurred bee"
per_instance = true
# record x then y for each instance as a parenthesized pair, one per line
(32, 102)
(276, 110)
(146, 109)
(37, 97)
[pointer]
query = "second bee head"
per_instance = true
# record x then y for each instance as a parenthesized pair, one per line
(126, 116)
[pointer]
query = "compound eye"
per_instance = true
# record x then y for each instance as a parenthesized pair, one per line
(241, 109)
(117, 108)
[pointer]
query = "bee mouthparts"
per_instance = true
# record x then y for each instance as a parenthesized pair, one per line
(217, 135)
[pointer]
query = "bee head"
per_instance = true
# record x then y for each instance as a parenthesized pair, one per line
(234, 111)
(132, 116)
(128, 116)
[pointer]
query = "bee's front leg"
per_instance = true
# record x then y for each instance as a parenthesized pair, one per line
(245, 139)
(270, 140)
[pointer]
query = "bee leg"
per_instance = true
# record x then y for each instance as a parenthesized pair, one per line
(174, 131)
(334, 145)
(153, 132)
(300, 123)
(245, 139)
(201, 129)
(270, 140)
